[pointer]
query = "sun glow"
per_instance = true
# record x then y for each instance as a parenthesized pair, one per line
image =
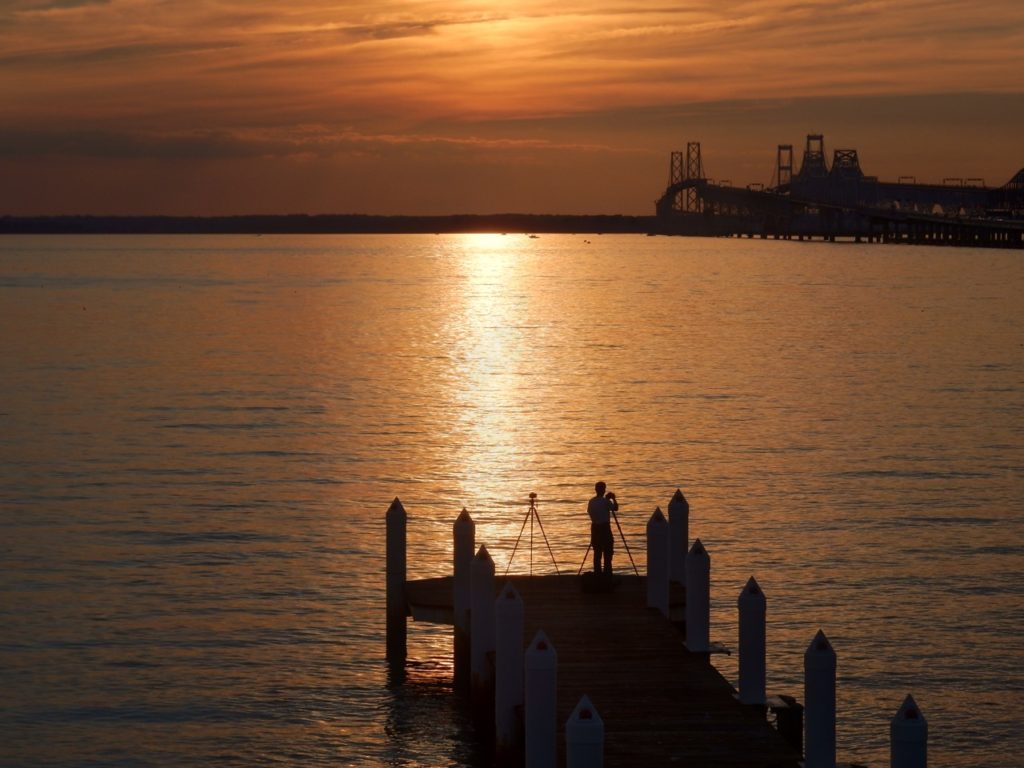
(480, 246)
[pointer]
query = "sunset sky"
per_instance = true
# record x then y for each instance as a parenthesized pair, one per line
(462, 106)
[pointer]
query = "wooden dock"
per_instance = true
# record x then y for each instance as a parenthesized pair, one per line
(661, 704)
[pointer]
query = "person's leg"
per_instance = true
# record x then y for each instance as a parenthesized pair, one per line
(608, 552)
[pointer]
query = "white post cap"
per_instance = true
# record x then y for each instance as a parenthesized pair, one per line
(910, 714)
(396, 511)
(509, 598)
(819, 654)
(584, 725)
(678, 501)
(751, 597)
(908, 735)
(698, 551)
(463, 522)
(541, 653)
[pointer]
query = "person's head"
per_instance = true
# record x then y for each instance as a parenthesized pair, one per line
(599, 488)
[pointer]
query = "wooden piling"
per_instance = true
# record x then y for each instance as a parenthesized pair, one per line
(584, 737)
(395, 566)
(464, 536)
(481, 635)
(508, 671)
(678, 536)
(908, 737)
(820, 703)
(658, 562)
(752, 647)
(541, 683)
(698, 599)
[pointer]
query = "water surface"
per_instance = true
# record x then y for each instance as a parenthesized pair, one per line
(199, 437)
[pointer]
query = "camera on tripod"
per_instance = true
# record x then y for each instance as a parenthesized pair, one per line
(531, 515)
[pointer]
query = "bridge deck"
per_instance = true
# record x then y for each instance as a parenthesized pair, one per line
(661, 704)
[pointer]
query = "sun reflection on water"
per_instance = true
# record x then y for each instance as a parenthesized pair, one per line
(490, 397)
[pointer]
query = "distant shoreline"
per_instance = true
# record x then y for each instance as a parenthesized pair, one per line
(295, 224)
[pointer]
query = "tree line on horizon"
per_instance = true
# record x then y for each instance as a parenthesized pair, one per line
(326, 224)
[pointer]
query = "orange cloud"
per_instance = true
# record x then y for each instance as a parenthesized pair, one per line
(459, 58)
(216, 75)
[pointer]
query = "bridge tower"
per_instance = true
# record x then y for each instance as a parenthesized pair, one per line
(676, 171)
(682, 167)
(814, 157)
(845, 164)
(694, 170)
(784, 165)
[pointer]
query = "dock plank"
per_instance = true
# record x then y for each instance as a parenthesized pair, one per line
(661, 704)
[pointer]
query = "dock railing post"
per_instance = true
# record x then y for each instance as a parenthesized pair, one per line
(908, 737)
(395, 559)
(584, 737)
(464, 534)
(541, 700)
(820, 704)
(481, 635)
(679, 536)
(698, 599)
(508, 671)
(752, 609)
(658, 562)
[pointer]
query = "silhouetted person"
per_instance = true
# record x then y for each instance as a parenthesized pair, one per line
(600, 509)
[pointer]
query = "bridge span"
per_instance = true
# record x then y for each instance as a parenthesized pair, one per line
(839, 201)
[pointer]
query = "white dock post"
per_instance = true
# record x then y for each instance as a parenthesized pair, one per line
(508, 669)
(698, 599)
(908, 737)
(820, 704)
(658, 562)
(541, 692)
(679, 536)
(584, 737)
(395, 552)
(464, 535)
(481, 633)
(752, 609)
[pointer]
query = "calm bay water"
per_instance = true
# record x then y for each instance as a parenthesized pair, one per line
(200, 436)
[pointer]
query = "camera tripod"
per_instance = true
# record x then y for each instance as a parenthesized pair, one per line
(532, 513)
